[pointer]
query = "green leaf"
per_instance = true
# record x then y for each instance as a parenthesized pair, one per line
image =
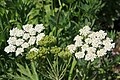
(26, 73)
(59, 31)
(53, 32)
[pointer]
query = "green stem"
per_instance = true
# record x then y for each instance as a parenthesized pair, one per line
(57, 21)
(59, 2)
(87, 70)
(43, 12)
(71, 70)
(88, 65)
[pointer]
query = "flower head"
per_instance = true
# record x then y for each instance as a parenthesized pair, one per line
(19, 51)
(90, 45)
(27, 27)
(101, 52)
(19, 33)
(12, 40)
(10, 48)
(79, 55)
(39, 28)
(32, 32)
(85, 31)
(72, 48)
(19, 42)
(32, 40)
(26, 37)
(90, 56)
(25, 45)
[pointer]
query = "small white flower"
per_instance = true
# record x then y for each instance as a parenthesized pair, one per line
(39, 28)
(92, 35)
(85, 47)
(101, 52)
(19, 42)
(79, 55)
(19, 33)
(32, 40)
(78, 38)
(12, 40)
(26, 36)
(27, 27)
(14, 31)
(78, 43)
(32, 32)
(19, 51)
(85, 31)
(96, 43)
(25, 45)
(71, 48)
(88, 40)
(39, 37)
(34, 49)
(10, 48)
(107, 40)
(91, 50)
(109, 46)
(102, 34)
(87, 28)
(90, 56)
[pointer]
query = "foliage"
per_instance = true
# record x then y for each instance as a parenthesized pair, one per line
(26, 72)
(109, 15)
(57, 71)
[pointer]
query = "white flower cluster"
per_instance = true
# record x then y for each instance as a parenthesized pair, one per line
(23, 38)
(90, 45)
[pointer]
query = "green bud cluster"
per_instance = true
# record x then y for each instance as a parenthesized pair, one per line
(65, 53)
(47, 45)
(55, 50)
(61, 52)
(47, 41)
(32, 55)
(43, 51)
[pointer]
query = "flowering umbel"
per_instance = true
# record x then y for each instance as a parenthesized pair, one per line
(20, 39)
(90, 45)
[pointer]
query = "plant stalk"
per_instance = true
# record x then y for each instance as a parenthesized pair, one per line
(71, 70)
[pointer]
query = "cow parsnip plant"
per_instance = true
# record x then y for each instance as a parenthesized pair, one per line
(32, 43)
